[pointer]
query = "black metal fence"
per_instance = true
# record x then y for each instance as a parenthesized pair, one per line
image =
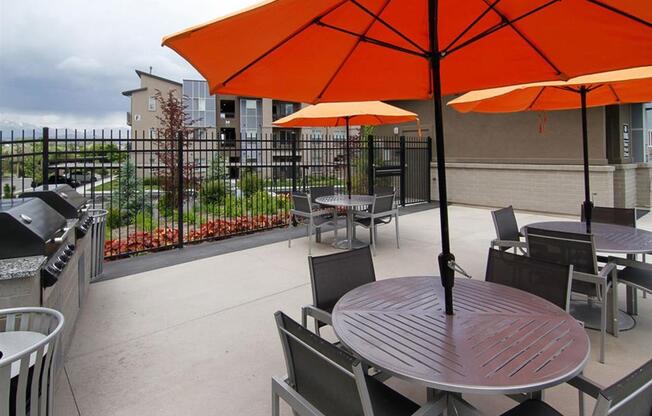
(166, 192)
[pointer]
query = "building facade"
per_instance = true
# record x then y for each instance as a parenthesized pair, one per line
(533, 160)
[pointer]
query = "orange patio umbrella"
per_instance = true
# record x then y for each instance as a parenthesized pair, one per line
(367, 113)
(614, 87)
(355, 50)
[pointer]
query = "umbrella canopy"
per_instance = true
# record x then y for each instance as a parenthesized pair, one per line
(632, 85)
(614, 87)
(361, 113)
(352, 50)
(368, 113)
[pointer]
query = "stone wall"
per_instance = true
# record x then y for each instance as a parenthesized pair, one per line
(644, 185)
(544, 188)
(625, 186)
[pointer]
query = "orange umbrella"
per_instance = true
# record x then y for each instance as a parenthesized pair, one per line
(348, 50)
(368, 113)
(615, 87)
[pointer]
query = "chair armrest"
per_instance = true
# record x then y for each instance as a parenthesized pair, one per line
(589, 278)
(607, 269)
(319, 314)
(585, 385)
(508, 243)
(630, 263)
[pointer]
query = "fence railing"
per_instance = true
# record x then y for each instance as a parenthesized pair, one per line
(165, 192)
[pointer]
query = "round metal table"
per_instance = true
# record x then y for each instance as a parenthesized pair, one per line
(609, 238)
(501, 340)
(355, 202)
(13, 342)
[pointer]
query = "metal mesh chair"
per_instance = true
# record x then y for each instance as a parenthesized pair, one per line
(319, 191)
(547, 280)
(383, 190)
(26, 375)
(577, 250)
(630, 396)
(303, 213)
(507, 233)
(325, 380)
(331, 277)
(608, 215)
(381, 212)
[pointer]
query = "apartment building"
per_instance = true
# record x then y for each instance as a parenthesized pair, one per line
(237, 128)
(533, 160)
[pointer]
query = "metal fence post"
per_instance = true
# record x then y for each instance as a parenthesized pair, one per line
(428, 168)
(402, 162)
(294, 163)
(46, 158)
(370, 164)
(180, 188)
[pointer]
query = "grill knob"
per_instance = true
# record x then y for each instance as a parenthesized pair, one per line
(71, 247)
(59, 264)
(64, 257)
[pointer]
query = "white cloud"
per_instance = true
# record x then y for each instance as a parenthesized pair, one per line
(74, 57)
(65, 120)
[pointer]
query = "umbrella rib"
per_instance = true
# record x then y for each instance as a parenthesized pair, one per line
(388, 26)
(282, 42)
(469, 27)
(346, 58)
(529, 107)
(614, 92)
(374, 41)
(620, 12)
(497, 27)
(522, 36)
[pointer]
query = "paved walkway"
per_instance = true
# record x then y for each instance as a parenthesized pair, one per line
(199, 338)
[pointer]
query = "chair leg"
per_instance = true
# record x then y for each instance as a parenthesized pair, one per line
(603, 325)
(290, 233)
(310, 237)
(304, 317)
(373, 242)
(396, 224)
(276, 411)
(581, 402)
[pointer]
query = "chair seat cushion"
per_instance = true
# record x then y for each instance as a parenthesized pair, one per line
(639, 277)
(387, 401)
(532, 408)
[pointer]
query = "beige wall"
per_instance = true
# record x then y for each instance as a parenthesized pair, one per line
(139, 103)
(511, 138)
(547, 188)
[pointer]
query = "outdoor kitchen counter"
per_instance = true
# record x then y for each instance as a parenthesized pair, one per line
(21, 267)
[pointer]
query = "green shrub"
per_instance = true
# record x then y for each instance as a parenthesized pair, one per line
(213, 192)
(250, 183)
(264, 203)
(8, 191)
(116, 218)
(146, 222)
(232, 206)
(152, 181)
(165, 207)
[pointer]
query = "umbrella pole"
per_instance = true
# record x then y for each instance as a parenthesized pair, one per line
(348, 158)
(588, 204)
(445, 257)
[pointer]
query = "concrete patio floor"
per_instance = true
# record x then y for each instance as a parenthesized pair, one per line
(199, 338)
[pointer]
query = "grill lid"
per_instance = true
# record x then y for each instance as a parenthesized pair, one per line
(27, 225)
(63, 198)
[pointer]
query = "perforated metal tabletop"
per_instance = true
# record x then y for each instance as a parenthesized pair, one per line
(351, 204)
(501, 340)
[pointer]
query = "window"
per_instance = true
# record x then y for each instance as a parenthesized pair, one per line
(151, 103)
(227, 108)
(227, 136)
(201, 104)
(153, 133)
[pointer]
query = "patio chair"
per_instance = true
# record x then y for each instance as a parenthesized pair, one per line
(547, 280)
(303, 213)
(629, 396)
(319, 191)
(636, 275)
(618, 216)
(507, 234)
(324, 380)
(331, 277)
(27, 376)
(381, 212)
(578, 250)
(382, 190)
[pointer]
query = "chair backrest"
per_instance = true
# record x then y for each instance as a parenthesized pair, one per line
(618, 216)
(334, 275)
(549, 281)
(319, 191)
(632, 395)
(318, 370)
(26, 377)
(563, 248)
(381, 190)
(301, 202)
(382, 203)
(505, 224)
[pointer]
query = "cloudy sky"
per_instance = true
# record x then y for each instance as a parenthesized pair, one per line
(64, 63)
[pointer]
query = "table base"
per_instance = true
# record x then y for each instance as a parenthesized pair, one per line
(589, 313)
(344, 244)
